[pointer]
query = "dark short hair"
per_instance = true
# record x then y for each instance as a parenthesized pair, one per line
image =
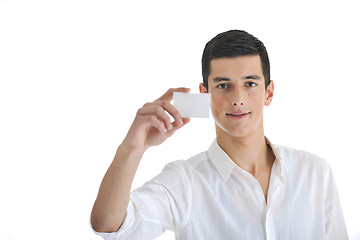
(231, 44)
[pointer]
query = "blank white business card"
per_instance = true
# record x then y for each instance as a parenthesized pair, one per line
(196, 105)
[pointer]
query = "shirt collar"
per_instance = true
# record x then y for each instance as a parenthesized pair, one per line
(224, 165)
(222, 162)
(283, 168)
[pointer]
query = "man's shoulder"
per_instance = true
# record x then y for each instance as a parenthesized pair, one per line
(196, 165)
(191, 162)
(297, 157)
(178, 173)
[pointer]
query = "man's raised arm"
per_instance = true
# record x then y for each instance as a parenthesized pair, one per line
(151, 127)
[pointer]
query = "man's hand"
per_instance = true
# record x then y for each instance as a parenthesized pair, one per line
(152, 125)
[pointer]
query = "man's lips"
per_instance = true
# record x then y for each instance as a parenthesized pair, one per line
(237, 115)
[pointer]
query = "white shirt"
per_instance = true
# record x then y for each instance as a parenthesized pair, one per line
(209, 197)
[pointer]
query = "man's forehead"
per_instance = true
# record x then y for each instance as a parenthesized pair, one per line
(241, 65)
(255, 57)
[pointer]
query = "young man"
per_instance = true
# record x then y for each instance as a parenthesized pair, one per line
(242, 187)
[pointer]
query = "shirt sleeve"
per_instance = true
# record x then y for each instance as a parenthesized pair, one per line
(334, 219)
(161, 204)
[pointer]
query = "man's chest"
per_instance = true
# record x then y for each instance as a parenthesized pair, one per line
(238, 209)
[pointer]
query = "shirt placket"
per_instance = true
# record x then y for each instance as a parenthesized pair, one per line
(275, 186)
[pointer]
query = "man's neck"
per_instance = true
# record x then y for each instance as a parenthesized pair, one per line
(250, 153)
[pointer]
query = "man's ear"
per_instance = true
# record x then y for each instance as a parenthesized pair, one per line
(269, 93)
(202, 88)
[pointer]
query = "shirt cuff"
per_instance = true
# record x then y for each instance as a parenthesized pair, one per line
(127, 223)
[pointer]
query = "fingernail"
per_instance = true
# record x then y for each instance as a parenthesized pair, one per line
(169, 127)
(181, 121)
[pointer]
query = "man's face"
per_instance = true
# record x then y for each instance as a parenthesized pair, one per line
(238, 96)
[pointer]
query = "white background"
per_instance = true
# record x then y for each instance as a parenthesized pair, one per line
(73, 74)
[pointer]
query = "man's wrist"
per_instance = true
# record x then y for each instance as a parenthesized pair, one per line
(131, 151)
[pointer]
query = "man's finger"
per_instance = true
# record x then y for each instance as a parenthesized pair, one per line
(169, 94)
(176, 126)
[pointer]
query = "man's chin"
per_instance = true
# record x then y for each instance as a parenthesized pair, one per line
(236, 132)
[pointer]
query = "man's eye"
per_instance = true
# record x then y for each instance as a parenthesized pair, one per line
(222, 86)
(251, 84)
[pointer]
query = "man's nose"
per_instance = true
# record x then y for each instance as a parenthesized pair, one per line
(238, 96)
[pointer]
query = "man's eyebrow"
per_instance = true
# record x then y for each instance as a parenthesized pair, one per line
(253, 77)
(220, 79)
(247, 77)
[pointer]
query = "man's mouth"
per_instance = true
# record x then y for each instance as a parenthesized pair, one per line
(237, 115)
